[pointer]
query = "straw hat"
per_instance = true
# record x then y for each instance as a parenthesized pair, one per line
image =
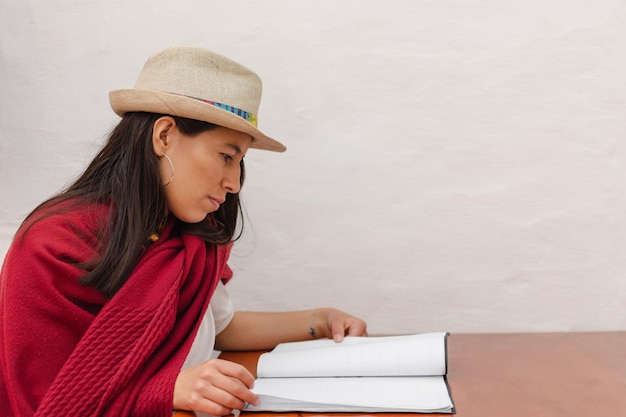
(198, 84)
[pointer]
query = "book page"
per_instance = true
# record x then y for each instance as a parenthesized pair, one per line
(412, 355)
(400, 394)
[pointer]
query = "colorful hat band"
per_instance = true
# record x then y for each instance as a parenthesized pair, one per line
(251, 118)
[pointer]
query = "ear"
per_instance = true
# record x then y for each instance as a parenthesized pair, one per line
(162, 127)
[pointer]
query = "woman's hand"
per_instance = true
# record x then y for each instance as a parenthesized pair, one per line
(215, 387)
(335, 324)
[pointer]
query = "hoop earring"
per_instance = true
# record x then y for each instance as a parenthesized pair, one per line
(172, 165)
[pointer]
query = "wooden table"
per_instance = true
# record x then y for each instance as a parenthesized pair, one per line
(524, 375)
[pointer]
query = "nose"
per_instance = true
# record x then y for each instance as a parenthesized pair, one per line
(232, 180)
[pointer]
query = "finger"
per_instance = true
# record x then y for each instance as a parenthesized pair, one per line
(211, 407)
(357, 328)
(240, 392)
(230, 397)
(222, 395)
(235, 371)
(207, 399)
(338, 331)
(238, 381)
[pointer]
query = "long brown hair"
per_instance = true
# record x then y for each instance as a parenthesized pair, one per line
(125, 174)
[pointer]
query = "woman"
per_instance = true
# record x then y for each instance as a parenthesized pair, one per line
(112, 293)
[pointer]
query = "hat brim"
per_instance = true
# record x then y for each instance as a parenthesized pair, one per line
(136, 100)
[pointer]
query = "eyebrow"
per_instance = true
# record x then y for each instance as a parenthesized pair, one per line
(234, 147)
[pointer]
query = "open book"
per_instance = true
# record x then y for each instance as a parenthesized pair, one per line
(361, 374)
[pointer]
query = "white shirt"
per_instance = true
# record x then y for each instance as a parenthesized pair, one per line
(219, 314)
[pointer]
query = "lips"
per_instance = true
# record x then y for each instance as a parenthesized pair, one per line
(217, 202)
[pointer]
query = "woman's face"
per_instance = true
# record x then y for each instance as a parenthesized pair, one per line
(206, 168)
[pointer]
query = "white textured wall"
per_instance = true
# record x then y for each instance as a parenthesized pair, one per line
(452, 165)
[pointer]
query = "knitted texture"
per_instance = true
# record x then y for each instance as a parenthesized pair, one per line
(65, 350)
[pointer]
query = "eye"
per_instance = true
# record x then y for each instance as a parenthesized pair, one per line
(227, 157)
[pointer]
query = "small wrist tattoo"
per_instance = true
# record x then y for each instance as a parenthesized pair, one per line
(311, 328)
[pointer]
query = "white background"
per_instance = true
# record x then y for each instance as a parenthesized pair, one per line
(452, 165)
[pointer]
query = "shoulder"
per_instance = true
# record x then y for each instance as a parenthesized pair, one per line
(52, 250)
(64, 229)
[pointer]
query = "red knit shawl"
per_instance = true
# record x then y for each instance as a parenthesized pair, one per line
(65, 350)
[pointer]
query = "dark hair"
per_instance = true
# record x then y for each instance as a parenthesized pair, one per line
(125, 174)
